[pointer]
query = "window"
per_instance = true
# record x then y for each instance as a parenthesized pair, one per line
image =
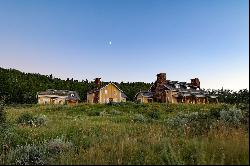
(106, 91)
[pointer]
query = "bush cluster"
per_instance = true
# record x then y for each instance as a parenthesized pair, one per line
(29, 119)
(93, 112)
(58, 145)
(29, 154)
(139, 118)
(201, 122)
(32, 154)
(154, 114)
(115, 112)
(231, 117)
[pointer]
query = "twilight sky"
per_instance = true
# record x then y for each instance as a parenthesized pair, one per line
(129, 40)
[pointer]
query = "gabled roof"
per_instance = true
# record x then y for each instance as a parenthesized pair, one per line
(98, 89)
(170, 87)
(182, 83)
(124, 96)
(145, 94)
(173, 82)
(112, 84)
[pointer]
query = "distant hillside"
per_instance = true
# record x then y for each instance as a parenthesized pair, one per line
(20, 87)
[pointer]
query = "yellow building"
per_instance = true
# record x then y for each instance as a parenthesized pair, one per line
(105, 94)
(144, 97)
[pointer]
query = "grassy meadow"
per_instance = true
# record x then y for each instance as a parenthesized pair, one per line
(125, 133)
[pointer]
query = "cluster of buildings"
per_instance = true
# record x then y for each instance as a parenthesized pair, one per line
(167, 91)
(163, 91)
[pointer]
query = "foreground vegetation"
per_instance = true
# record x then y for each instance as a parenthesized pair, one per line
(125, 133)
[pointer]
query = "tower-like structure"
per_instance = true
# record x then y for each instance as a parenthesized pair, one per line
(158, 86)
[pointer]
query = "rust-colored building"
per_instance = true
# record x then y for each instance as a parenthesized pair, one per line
(109, 92)
(166, 91)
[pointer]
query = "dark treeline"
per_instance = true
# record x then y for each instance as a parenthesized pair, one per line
(19, 87)
(230, 96)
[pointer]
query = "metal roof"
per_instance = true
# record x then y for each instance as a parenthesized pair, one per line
(124, 96)
(213, 97)
(199, 95)
(145, 94)
(70, 95)
(103, 86)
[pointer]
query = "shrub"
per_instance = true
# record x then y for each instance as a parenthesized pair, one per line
(115, 112)
(155, 114)
(201, 122)
(58, 145)
(231, 117)
(28, 155)
(139, 118)
(93, 113)
(111, 112)
(29, 119)
(243, 106)
(25, 119)
(86, 142)
(215, 113)
(103, 113)
(40, 120)
(193, 123)
(245, 119)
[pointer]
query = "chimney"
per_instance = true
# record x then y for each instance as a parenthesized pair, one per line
(98, 82)
(195, 83)
(161, 78)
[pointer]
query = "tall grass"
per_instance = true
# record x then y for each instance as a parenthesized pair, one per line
(128, 133)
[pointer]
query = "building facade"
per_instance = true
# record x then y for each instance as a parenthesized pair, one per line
(52, 96)
(105, 94)
(167, 91)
